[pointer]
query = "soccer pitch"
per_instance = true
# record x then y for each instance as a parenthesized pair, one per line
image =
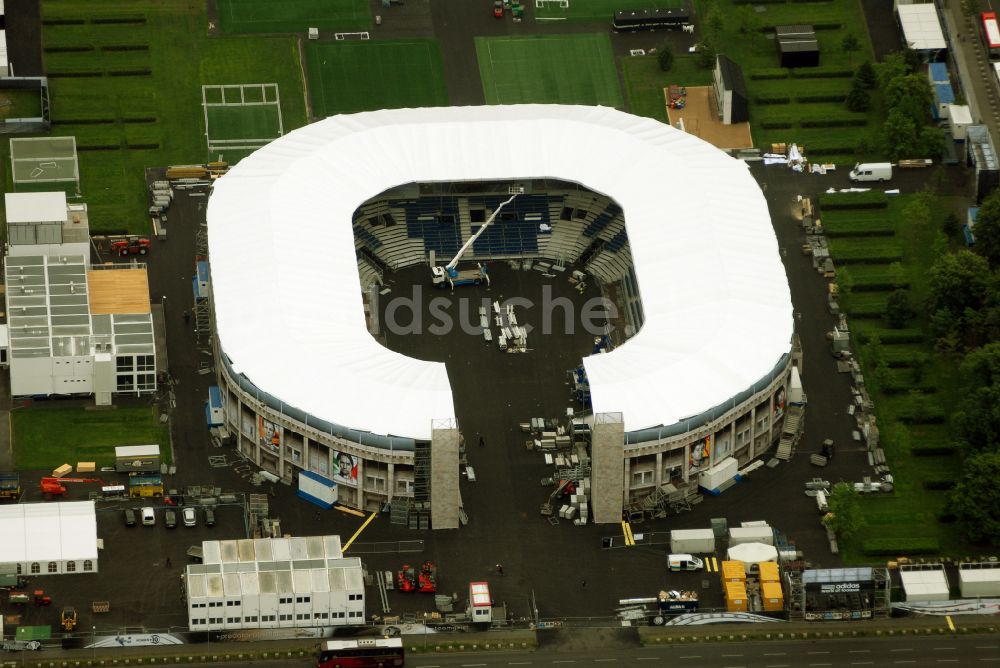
(240, 118)
(261, 16)
(563, 69)
(351, 76)
(596, 10)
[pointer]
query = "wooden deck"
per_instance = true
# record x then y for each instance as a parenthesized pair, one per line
(701, 120)
(114, 291)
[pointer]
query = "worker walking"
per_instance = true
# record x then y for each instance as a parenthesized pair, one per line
(168, 563)
(583, 584)
(500, 569)
(482, 441)
(187, 317)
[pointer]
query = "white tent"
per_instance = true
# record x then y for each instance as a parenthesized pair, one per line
(286, 289)
(752, 553)
(49, 538)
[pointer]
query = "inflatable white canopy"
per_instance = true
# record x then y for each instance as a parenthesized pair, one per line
(287, 295)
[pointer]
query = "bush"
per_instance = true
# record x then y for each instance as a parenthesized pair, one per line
(859, 99)
(873, 199)
(900, 546)
(665, 57)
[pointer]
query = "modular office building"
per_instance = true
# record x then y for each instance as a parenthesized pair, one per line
(269, 583)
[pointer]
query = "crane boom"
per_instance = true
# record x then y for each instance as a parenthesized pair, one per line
(461, 251)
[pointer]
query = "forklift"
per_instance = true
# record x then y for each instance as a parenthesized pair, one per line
(68, 618)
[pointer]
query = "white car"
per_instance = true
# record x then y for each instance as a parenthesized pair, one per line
(148, 516)
(190, 517)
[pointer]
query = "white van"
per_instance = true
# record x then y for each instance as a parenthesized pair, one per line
(871, 171)
(684, 562)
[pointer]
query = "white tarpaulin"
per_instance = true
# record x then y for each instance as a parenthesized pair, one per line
(921, 27)
(288, 304)
(752, 553)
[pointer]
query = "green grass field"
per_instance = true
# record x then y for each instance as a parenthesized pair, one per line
(598, 10)
(263, 16)
(142, 106)
(258, 123)
(45, 438)
(348, 77)
(564, 69)
(20, 103)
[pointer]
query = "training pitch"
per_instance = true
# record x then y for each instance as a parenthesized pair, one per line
(239, 119)
(266, 16)
(564, 69)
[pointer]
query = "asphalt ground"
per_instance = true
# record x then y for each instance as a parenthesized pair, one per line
(24, 37)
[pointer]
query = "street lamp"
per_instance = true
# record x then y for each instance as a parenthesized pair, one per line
(93, 641)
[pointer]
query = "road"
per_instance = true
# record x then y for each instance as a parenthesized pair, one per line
(909, 651)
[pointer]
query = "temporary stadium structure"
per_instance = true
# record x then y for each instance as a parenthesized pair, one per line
(717, 312)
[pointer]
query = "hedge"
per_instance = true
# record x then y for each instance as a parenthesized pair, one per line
(871, 199)
(821, 98)
(888, 336)
(815, 73)
(765, 74)
(900, 546)
(853, 234)
(120, 20)
(815, 150)
(933, 450)
(937, 484)
(772, 100)
(835, 122)
(887, 258)
(776, 125)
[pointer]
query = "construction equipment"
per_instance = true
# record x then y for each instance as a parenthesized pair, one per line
(19, 598)
(41, 598)
(656, 610)
(68, 618)
(565, 486)
(130, 245)
(449, 275)
(427, 578)
(10, 487)
(54, 486)
(406, 579)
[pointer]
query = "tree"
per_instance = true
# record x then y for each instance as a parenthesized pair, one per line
(987, 229)
(930, 142)
(845, 517)
(897, 275)
(665, 56)
(850, 44)
(910, 94)
(898, 310)
(749, 20)
(958, 281)
(865, 75)
(892, 66)
(982, 366)
(706, 54)
(919, 362)
(858, 99)
(977, 419)
(975, 500)
(899, 135)
(950, 225)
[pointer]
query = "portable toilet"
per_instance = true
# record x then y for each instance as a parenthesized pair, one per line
(771, 596)
(480, 603)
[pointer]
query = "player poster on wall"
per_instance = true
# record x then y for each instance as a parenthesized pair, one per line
(269, 434)
(345, 468)
(701, 454)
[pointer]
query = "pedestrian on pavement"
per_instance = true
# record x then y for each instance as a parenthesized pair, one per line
(317, 516)
(500, 569)
(169, 565)
(583, 584)
(187, 317)
(482, 441)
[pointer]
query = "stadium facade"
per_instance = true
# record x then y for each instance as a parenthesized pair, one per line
(702, 371)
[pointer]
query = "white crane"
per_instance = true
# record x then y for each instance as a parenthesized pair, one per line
(449, 275)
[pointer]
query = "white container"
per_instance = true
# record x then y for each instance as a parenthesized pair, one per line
(740, 535)
(692, 541)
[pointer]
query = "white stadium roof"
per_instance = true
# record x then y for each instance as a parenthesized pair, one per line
(288, 303)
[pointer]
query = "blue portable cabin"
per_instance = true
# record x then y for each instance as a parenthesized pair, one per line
(943, 96)
(938, 73)
(970, 223)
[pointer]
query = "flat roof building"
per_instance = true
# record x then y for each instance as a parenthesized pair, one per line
(49, 538)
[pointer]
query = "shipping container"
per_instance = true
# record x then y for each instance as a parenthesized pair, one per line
(692, 541)
(740, 535)
(772, 597)
(769, 572)
(719, 474)
(733, 571)
(736, 597)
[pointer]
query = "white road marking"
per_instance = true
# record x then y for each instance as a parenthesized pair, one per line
(902, 649)
(858, 651)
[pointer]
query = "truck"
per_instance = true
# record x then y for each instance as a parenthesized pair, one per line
(10, 487)
(449, 274)
(684, 562)
(656, 610)
(871, 171)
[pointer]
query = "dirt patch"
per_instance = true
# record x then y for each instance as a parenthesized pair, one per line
(700, 119)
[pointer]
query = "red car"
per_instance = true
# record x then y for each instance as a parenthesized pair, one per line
(498, 9)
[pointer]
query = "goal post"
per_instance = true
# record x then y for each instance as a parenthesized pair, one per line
(562, 4)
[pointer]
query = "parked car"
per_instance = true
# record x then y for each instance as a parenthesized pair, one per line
(189, 516)
(170, 518)
(129, 517)
(209, 517)
(148, 516)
